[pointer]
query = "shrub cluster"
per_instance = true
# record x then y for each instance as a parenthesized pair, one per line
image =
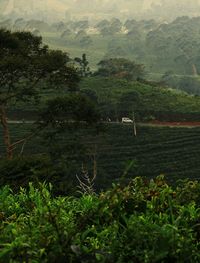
(145, 221)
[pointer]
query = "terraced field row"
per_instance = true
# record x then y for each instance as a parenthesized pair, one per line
(174, 152)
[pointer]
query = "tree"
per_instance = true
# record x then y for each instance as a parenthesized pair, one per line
(37, 24)
(115, 25)
(169, 79)
(102, 24)
(24, 63)
(63, 112)
(189, 85)
(130, 24)
(84, 68)
(66, 34)
(85, 41)
(120, 68)
(59, 27)
(91, 94)
(134, 34)
(128, 103)
(115, 51)
(176, 46)
(80, 34)
(82, 25)
(72, 114)
(106, 31)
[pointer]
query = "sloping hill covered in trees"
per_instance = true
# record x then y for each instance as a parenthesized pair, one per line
(119, 97)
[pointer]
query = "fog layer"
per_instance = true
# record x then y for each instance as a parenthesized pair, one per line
(52, 10)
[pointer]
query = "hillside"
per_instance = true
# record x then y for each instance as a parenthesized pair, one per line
(119, 97)
(169, 50)
(173, 152)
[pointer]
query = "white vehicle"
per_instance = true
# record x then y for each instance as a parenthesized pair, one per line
(126, 120)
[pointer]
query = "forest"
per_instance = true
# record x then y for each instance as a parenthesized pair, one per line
(169, 50)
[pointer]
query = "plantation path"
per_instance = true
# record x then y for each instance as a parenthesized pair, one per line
(171, 124)
(148, 124)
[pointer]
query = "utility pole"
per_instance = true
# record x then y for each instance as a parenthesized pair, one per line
(134, 125)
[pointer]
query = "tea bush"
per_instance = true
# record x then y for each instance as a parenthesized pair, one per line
(145, 221)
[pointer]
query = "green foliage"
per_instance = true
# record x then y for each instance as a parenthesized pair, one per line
(188, 84)
(70, 114)
(71, 108)
(25, 62)
(145, 221)
(83, 66)
(156, 150)
(117, 97)
(161, 47)
(120, 68)
(37, 168)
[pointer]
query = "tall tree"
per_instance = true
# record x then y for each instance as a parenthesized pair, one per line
(63, 112)
(24, 63)
(120, 68)
(83, 66)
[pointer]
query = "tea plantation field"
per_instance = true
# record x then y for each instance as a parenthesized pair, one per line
(174, 152)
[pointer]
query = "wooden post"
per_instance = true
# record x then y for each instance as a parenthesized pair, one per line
(134, 125)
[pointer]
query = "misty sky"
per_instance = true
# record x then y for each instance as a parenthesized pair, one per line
(58, 9)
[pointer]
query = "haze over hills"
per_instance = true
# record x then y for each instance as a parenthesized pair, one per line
(60, 9)
(52, 10)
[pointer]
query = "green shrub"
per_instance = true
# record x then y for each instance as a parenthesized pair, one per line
(19, 171)
(145, 221)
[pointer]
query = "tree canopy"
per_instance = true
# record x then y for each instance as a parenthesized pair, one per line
(120, 68)
(25, 62)
(72, 108)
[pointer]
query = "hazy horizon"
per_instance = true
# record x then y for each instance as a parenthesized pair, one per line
(55, 10)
